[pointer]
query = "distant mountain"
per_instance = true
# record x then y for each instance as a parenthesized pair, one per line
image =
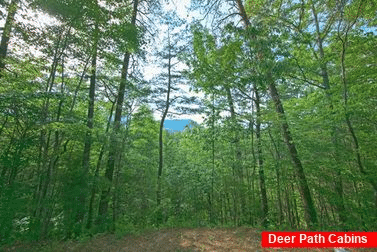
(176, 125)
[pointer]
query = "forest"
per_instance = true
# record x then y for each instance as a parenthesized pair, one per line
(284, 93)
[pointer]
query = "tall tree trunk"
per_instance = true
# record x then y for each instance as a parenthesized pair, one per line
(83, 181)
(278, 179)
(238, 168)
(46, 161)
(295, 209)
(48, 208)
(237, 165)
(262, 183)
(211, 201)
(90, 117)
(289, 208)
(368, 177)
(84, 71)
(251, 184)
(310, 211)
(334, 138)
(12, 9)
(96, 174)
(160, 138)
(103, 206)
(323, 63)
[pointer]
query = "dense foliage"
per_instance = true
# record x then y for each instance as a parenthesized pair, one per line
(288, 97)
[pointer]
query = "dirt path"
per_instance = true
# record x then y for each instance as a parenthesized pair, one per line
(169, 240)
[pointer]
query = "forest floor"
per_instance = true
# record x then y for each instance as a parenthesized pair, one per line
(166, 240)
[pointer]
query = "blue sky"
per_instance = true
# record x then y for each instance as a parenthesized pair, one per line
(176, 125)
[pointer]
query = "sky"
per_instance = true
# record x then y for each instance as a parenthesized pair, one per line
(181, 8)
(176, 125)
(151, 70)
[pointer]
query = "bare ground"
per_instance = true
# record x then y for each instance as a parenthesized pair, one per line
(168, 240)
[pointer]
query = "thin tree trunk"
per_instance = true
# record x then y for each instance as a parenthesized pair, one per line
(262, 183)
(323, 63)
(253, 201)
(81, 208)
(90, 117)
(289, 208)
(334, 137)
(53, 161)
(213, 161)
(96, 174)
(12, 9)
(278, 179)
(160, 139)
(252, 215)
(48, 207)
(237, 165)
(79, 84)
(43, 160)
(351, 130)
(103, 207)
(310, 211)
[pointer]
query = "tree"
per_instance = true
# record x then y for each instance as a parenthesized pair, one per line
(311, 214)
(102, 211)
(9, 23)
(90, 117)
(170, 52)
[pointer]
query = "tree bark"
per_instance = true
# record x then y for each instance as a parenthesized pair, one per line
(310, 211)
(45, 159)
(237, 165)
(81, 208)
(103, 207)
(96, 174)
(211, 217)
(351, 130)
(262, 184)
(334, 138)
(12, 9)
(160, 138)
(278, 179)
(90, 117)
